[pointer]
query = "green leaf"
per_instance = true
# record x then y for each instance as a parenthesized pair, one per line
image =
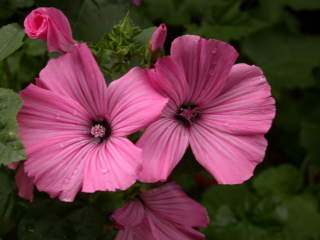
(304, 218)
(144, 37)
(287, 59)
(11, 150)
(11, 37)
(282, 180)
(310, 138)
(6, 201)
(303, 4)
(21, 3)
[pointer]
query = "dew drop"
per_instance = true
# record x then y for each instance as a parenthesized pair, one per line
(57, 116)
(214, 51)
(104, 171)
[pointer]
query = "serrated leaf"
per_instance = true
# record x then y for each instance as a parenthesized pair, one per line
(287, 60)
(11, 37)
(11, 150)
(285, 179)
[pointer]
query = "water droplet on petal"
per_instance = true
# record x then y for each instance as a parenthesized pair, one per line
(104, 171)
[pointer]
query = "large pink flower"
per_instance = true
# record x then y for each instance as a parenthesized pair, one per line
(164, 213)
(73, 127)
(51, 25)
(222, 110)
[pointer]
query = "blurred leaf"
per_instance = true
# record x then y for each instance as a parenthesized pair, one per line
(11, 37)
(90, 19)
(310, 138)
(304, 218)
(6, 202)
(287, 60)
(21, 3)
(144, 37)
(35, 47)
(11, 150)
(284, 179)
(303, 4)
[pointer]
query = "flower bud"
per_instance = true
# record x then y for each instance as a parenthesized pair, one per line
(158, 38)
(136, 2)
(52, 26)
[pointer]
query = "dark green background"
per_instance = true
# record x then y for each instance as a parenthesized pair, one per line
(281, 36)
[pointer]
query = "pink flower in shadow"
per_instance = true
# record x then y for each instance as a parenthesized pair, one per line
(165, 213)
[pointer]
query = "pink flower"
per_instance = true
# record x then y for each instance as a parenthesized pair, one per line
(158, 38)
(165, 213)
(24, 183)
(51, 25)
(136, 2)
(73, 127)
(222, 110)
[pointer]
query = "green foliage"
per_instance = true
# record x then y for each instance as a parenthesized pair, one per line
(11, 150)
(11, 37)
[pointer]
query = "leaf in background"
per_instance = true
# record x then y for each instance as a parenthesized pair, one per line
(310, 139)
(11, 150)
(284, 179)
(11, 37)
(303, 4)
(20, 3)
(6, 201)
(90, 19)
(144, 37)
(286, 59)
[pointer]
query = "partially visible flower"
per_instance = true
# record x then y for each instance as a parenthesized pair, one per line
(220, 108)
(136, 2)
(73, 127)
(158, 38)
(51, 25)
(24, 183)
(165, 213)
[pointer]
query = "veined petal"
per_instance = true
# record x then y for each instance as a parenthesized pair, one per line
(163, 145)
(113, 165)
(168, 79)
(24, 183)
(77, 75)
(129, 215)
(45, 114)
(229, 158)
(171, 203)
(133, 103)
(245, 106)
(206, 65)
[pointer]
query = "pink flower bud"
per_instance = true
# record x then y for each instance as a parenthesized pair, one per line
(51, 25)
(158, 38)
(136, 2)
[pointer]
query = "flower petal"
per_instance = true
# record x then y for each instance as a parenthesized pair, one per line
(245, 106)
(133, 103)
(129, 215)
(114, 165)
(206, 65)
(171, 203)
(163, 145)
(168, 79)
(45, 114)
(24, 183)
(77, 75)
(229, 158)
(164, 230)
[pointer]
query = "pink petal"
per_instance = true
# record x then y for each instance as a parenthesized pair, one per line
(163, 145)
(45, 114)
(133, 103)
(113, 165)
(245, 106)
(168, 79)
(158, 38)
(24, 183)
(206, 65)
(231, 159)
(77, 75)
(57, 165)
(51, 25)
(171, 203)
(129, 215)
(164, 230)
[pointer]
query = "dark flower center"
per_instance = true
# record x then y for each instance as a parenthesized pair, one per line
(187, 114)
(100, 130)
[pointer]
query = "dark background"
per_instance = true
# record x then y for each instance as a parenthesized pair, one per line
(281, 36)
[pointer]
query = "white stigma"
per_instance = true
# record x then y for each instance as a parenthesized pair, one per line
(98, 131)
